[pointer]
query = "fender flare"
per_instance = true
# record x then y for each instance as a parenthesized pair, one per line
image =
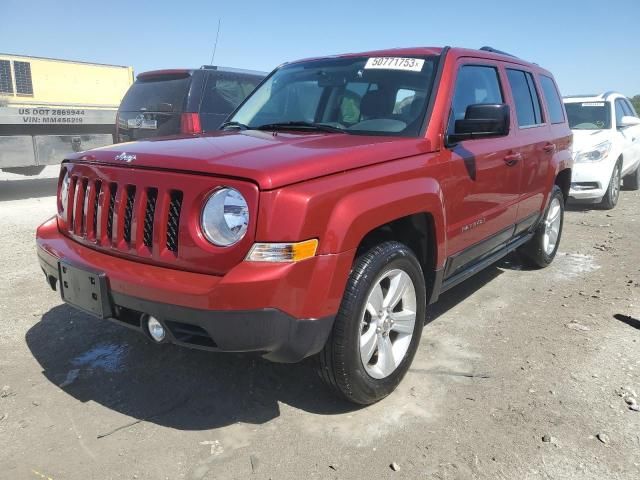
(362, 211)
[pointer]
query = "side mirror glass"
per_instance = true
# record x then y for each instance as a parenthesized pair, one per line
(628, 121)
(482, 121)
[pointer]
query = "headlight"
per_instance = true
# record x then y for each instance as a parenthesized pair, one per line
(225, 217)
(64, 191)
(598, 153)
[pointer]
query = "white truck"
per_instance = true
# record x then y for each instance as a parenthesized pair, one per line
(51, 107)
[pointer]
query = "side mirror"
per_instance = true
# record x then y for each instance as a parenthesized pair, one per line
(628, 121)
(482, 121)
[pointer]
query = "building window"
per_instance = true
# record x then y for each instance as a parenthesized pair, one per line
(22, 71)
(6, 83)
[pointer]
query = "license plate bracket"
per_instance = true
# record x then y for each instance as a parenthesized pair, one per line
(84, 289)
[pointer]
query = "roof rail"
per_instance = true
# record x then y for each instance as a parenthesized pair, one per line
(233, 70)
(606, 94)
(494, 50)
(586, 95)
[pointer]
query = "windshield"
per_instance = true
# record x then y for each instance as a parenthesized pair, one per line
(589, 115)
(383, 96)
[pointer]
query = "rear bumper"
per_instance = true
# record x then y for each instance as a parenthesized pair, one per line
(283, 311)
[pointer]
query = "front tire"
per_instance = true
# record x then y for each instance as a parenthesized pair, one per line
(378, 327)
(540, 251)
(610, 199)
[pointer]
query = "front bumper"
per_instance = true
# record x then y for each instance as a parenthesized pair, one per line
(284, 311)
(589, 181)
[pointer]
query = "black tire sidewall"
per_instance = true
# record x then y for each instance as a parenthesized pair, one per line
(366, 389)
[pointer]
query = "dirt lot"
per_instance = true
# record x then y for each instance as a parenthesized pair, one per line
(508, 358)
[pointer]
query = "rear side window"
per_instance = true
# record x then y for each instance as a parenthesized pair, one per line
(476, 84)
(525, 97)
(552, 98)
(157, 94)
(628, 109)
(631, 108)
(223, 95)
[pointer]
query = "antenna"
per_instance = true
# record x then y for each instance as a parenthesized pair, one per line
(215, 45)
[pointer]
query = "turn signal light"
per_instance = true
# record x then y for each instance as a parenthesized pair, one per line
(283, 252)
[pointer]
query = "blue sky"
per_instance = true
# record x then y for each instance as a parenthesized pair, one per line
(590, 46)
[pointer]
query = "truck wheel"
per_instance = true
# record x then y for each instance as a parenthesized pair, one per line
(610, 199)
(632, 181)
(541, 249)
(378, 327)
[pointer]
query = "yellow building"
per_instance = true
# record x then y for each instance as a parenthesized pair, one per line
(49, 107)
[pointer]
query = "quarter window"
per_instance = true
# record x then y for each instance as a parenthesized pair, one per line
(476, 84)
(525, 97)
(22, 72)
(552, 99)
(6, 82)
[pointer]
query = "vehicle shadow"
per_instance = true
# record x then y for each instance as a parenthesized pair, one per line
(186, 389)
(176, 387)
(22, 189)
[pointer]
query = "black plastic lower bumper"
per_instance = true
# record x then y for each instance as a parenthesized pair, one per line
(278, 336)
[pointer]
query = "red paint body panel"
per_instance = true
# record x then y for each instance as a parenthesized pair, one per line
(303, 185)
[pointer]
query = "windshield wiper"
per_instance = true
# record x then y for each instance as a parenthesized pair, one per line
(238, 125)
(323, 127)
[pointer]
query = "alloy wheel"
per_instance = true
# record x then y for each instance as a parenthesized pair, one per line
(387, 323)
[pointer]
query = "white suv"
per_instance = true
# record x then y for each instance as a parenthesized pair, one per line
(606, 146)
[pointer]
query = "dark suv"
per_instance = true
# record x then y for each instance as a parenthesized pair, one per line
(170, 102)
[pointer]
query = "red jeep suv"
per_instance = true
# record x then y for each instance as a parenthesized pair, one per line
(342, 197)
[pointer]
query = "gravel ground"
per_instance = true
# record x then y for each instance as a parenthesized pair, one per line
(520, 375)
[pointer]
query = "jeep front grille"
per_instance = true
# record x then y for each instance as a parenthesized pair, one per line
(107, 213)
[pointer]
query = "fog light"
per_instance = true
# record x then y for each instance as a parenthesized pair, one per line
(156, 330)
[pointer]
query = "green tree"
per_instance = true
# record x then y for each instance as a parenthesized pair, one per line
(636, 103)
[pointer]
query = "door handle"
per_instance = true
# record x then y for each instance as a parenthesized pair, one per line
(512, 159)
(549, 148)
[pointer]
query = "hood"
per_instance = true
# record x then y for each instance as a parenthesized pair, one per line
(269, 159)
(584, 140)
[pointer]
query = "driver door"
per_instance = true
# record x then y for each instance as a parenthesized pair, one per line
(484, 188)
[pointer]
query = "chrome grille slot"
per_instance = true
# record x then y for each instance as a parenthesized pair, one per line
(149, 215)
(173, 220)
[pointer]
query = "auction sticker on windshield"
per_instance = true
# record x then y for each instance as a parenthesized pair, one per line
(593, 104)
(395, 63)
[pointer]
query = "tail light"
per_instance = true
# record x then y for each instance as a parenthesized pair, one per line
(190, 123)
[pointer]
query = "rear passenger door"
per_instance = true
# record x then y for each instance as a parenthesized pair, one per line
(536, 151)
(483, 189)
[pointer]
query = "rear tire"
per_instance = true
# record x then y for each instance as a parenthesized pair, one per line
(540, 251)
(377, 330)
(632, 181)
(610, 199)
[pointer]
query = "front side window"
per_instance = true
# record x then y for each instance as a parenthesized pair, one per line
(361, 95)
(476, 84)
(619, 111)
(552, 99)
(525, 97)
(588, 115)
